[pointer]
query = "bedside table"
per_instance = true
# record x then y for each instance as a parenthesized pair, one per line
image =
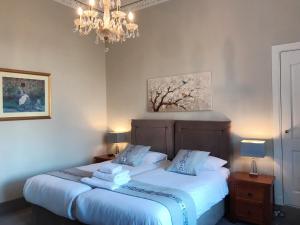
(251, 198)
(103, 158)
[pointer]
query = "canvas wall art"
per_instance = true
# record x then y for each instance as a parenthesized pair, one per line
(24, 95)
(181, 93)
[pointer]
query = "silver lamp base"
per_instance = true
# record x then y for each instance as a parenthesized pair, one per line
(253, 170)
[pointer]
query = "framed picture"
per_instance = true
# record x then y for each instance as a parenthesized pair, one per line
(180, 93)
(24, 95)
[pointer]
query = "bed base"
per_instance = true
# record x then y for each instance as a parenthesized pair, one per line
(212, 216)
(41, 216)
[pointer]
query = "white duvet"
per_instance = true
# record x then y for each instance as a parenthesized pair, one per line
(58, 195)
(100, 206)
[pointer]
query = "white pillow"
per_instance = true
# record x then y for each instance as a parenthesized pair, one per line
(213, 164)
(154, 157)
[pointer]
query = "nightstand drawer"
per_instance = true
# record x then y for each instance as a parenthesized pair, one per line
(251, 198)
(249, 212)
(247, 192)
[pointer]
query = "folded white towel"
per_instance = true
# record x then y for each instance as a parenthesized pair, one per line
(118, 178)
(110, 168)
(98, 183)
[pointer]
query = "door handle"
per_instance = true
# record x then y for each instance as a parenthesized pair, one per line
(287, 131)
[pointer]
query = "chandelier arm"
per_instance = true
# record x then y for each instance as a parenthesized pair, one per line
(86, 5)
(100, 11)
(129, 4)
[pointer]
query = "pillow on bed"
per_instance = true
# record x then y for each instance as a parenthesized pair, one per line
(188, 161)
(154, 157)
(133, 155)
(213, 164)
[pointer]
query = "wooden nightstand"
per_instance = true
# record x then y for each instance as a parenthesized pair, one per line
(103, 158)
(251, 198)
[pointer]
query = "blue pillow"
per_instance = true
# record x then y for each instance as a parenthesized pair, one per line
(188, 161)
(133, 155)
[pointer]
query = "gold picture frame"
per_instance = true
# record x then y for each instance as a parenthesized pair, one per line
(24, 95)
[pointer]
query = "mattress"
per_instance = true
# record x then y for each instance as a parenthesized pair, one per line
(100, 206)
(58, 195)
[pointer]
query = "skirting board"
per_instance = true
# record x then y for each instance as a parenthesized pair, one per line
(12, 206)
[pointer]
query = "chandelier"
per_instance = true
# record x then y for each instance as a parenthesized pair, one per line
(109, 23)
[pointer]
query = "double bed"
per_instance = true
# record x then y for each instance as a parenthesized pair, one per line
(59, 201)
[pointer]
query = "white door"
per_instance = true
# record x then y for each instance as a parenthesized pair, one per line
(290, 102)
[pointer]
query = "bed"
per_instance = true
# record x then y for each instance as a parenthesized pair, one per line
(58, 195)
(168, 137)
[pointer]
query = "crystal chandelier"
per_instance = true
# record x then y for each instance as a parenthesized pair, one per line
(109, 23)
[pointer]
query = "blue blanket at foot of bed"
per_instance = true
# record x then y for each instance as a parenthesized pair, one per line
(179, 204)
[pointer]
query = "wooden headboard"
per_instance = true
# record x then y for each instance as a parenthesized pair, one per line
(211, 136)
(169, 136)
(159, 134)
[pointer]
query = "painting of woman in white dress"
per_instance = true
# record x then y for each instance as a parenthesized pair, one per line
(24, 95)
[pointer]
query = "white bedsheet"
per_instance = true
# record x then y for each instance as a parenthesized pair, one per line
(58, 195)
(100, 206)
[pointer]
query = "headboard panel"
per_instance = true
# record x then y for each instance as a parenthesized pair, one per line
(156, 133)
(211, 136)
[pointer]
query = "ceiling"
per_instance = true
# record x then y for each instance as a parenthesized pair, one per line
(127, 4)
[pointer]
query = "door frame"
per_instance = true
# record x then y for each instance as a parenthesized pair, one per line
(277, 117)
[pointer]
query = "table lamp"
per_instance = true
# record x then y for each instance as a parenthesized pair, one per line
(116, 138)
(254, 149)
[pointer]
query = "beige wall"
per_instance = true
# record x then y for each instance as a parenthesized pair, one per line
(230, 38)
(37, 35)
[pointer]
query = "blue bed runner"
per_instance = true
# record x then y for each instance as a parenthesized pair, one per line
(179, 204)
(73, 174)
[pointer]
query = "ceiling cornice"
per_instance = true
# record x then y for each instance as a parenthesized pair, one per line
(136, 6)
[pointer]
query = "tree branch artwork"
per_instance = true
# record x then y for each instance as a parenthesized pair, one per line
(189, 92)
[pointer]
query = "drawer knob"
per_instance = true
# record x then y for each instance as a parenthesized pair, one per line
(250, 194)
(249, 213)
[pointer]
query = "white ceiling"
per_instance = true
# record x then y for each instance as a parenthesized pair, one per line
(128, 4)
